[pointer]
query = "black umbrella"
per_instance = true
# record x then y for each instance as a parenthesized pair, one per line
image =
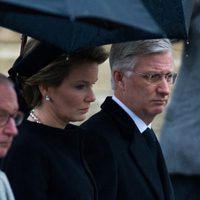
(75, 24)
(71, 24)
(173, 16)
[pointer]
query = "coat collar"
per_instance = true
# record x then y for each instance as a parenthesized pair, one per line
(119, 116)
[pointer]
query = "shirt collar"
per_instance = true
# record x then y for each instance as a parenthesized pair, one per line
(138, 121)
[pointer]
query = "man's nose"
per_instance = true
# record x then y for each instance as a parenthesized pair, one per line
(11, 128)
(164, 86)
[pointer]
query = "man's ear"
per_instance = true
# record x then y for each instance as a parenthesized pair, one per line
(118, 78)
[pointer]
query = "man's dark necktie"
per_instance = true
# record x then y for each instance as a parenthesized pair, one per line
(151, 141)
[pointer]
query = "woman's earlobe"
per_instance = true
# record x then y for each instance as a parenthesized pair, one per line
(47, 98)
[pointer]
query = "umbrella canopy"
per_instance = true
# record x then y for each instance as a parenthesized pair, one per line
(72, 25)
(173, 16)
(180, 133)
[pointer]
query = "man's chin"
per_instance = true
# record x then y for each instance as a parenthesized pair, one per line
(3, 152)
(158, 111)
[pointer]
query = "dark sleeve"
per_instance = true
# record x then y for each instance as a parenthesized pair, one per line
(25, 168)
(98, 155)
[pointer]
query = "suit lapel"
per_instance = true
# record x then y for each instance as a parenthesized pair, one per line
(167, 186)
(142, 155)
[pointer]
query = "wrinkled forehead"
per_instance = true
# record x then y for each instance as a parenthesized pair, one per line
(160, 57)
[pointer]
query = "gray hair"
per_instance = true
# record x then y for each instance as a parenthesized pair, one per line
(124, 56)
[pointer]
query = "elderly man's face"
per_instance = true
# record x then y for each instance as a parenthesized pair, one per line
(8, 107)
(144, 98)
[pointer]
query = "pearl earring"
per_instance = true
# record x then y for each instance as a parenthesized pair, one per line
(47, 98)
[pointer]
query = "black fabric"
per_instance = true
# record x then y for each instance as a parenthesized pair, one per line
(45, 163)
(150, 138)
(135, 175)
(186, 187)
(27, 65)
(36, 59)
(97, 152)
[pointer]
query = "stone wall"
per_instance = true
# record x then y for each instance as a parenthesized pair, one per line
(9, 48)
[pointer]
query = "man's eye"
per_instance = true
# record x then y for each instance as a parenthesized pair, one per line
(3, 114)
(147, 76)
(169, 76)
(156, 77)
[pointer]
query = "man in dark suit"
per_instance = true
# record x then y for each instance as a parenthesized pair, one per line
(142, 73)
(10, 117)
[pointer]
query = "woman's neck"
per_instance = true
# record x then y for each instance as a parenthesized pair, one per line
(46, 117)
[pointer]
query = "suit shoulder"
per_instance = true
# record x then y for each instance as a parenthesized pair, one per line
(98, 119)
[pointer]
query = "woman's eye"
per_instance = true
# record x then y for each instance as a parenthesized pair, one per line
(79, 87)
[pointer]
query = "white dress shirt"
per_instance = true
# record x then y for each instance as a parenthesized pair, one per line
(5, 189)
(139, 123)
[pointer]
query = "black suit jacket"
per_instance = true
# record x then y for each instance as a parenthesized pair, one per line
(130, 174)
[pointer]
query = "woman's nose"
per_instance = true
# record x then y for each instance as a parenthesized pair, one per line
(91, 96)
